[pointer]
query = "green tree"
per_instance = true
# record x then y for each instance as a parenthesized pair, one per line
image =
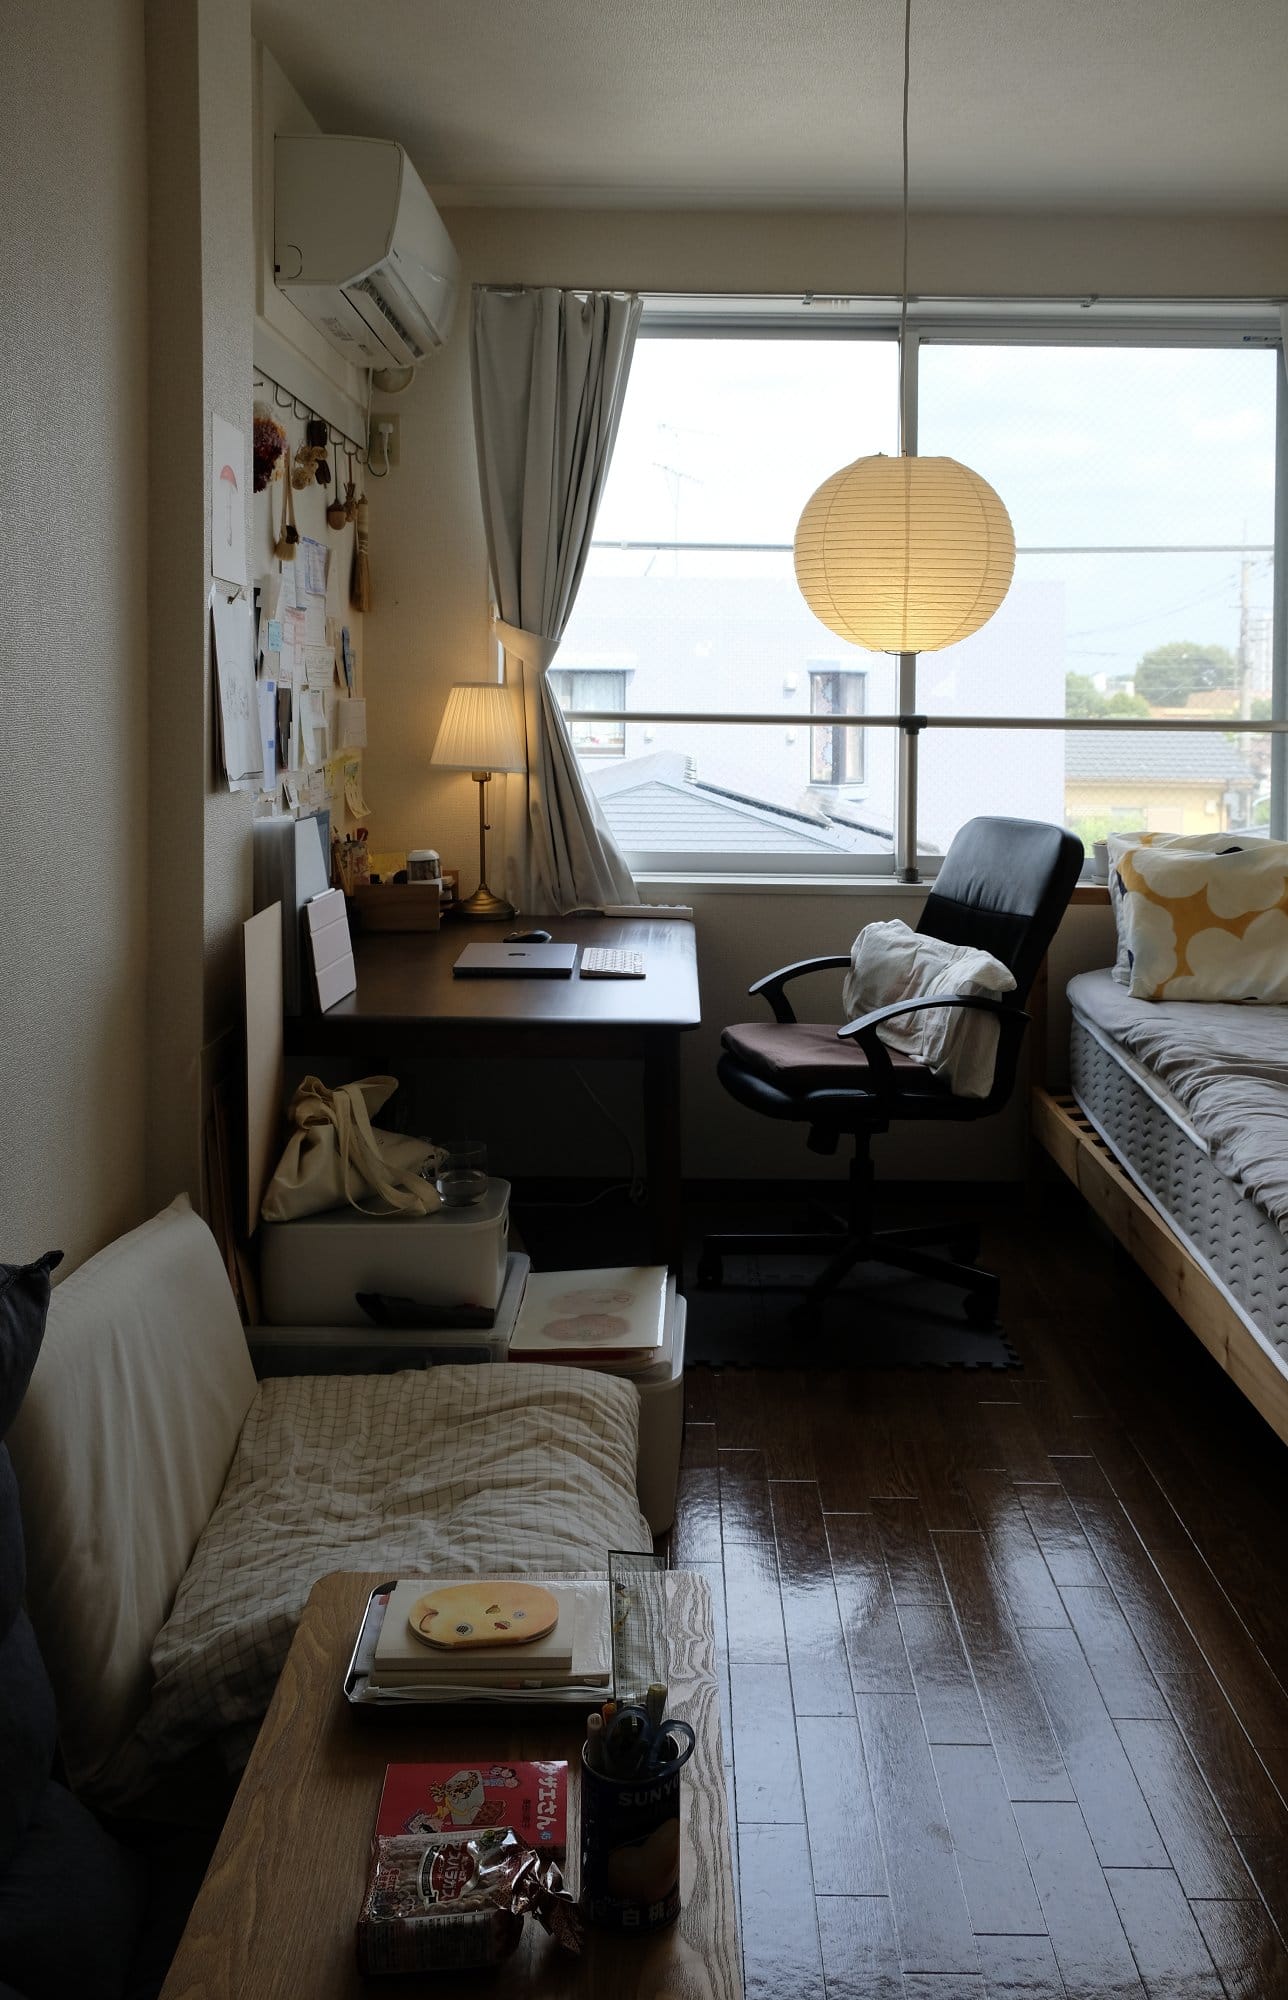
(1168, 675)
(1083, 698)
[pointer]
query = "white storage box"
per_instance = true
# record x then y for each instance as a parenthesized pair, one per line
(311, 1269)
(368, 1350)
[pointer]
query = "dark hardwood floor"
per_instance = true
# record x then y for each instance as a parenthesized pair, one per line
(1005, 1653)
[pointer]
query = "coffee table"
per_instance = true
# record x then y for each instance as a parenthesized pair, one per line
(275, 1916)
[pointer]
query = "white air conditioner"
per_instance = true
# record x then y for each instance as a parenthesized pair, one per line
(360, 248)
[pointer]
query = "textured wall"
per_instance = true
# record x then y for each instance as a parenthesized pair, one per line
(73, 629)
(201, 304)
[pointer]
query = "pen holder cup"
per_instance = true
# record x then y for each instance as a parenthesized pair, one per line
(630, 1848)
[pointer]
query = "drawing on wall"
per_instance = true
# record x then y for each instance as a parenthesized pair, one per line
(227, 501)
(241, 739)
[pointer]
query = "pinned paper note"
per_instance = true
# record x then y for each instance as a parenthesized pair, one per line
(353, 796)
(319, 667)
(312, 726)
(273, 636)
(238, 710)
(311, 561)
(351, 717)
(267, 691)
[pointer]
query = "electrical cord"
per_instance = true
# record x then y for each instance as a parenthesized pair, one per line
(636, 1189)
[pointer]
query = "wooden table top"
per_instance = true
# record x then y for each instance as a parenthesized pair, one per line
(276, 1914)
(407, 976)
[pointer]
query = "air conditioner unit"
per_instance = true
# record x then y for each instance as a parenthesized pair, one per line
(360, 248)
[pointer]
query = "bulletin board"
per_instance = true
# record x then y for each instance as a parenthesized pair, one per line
(308, 630)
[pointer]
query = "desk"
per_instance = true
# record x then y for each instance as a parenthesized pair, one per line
(407, 1002)
(275, 1916)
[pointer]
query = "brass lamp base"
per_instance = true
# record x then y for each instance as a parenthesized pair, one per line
(483, 904)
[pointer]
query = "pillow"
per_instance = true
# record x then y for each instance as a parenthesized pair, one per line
(1198, 843)
(889, 962)
(27, 1722)
(121, 1451)
(1207, 926)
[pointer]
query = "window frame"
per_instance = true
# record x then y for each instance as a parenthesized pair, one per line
(1236, 323)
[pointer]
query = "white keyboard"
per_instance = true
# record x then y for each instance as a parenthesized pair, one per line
(597, 962)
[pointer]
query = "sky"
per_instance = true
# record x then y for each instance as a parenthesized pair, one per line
(725, 439)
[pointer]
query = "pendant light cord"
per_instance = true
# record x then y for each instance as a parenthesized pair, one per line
(903, 280)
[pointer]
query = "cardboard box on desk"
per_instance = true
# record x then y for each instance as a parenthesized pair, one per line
(312, 1268)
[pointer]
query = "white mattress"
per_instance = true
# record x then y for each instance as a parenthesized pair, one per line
(1241, 1247)
(459, 1470)
(1224, 1067)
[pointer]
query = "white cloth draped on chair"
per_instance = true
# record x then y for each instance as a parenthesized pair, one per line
(549, 371)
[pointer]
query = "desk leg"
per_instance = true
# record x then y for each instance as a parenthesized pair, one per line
(662, 1147)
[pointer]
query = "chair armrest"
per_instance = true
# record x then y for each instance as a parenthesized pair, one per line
(773, 983)
(865, 1029)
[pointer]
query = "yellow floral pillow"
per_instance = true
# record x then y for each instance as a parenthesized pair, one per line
(1207, 926)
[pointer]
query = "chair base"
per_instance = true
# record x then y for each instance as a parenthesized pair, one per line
(845, 1246)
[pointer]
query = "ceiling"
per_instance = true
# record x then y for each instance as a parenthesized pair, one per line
(1128, 104)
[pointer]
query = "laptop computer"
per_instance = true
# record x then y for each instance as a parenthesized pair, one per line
(516, 961)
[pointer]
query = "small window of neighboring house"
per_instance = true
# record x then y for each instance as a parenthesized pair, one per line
(589, 687)
(836, 755)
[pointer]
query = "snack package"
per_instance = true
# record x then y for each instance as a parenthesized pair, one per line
(450, 1902)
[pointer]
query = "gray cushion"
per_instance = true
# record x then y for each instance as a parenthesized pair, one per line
(71, 1905)
(27, 1722)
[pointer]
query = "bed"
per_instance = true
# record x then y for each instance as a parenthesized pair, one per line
(1175, 1128)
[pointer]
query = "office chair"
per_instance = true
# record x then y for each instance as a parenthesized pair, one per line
(1003, 886)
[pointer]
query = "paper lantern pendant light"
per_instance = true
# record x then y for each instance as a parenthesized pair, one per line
(904, 555)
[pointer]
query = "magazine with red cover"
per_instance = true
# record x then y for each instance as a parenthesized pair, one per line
(459, 1798)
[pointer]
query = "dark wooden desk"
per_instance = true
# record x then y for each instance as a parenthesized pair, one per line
(407, 1002)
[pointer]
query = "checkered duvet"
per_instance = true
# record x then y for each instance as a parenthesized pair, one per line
(454, 1470)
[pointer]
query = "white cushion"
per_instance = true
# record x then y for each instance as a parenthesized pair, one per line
(889, 962)
(122, 1447)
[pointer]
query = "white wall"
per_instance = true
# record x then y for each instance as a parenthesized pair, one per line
(73, 637)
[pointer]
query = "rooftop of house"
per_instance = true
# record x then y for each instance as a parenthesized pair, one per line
(652, 804)
(1151, 758)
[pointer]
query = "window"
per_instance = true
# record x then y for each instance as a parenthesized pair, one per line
(604, 690)
(1135, 448)
(836, 755)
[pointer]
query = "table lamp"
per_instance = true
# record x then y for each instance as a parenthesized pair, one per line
(479, 734)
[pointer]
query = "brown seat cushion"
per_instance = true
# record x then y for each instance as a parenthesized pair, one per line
(805, 1055)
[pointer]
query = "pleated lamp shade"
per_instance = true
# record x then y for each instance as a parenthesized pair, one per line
(479, 730)
(904, 555)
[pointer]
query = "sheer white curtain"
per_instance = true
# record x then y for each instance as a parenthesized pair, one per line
(550, 371)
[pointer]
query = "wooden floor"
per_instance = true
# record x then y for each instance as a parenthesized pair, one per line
(1005, 1655)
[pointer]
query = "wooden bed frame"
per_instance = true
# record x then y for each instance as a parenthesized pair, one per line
(1068, 1136)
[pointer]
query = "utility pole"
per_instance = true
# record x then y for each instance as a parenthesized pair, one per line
(1245, 638)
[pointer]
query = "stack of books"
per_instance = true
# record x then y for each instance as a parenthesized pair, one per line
(574, 1653)
(614, 1320)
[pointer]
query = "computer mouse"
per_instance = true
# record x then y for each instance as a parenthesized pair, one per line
(527, 937)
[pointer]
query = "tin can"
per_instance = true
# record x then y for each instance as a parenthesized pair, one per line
(630, 1848)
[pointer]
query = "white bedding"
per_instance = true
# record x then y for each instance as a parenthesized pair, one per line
(461, 1470)
(1226, 1065)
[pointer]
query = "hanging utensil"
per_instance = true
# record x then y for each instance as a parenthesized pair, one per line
(285, 545)
(360, 578)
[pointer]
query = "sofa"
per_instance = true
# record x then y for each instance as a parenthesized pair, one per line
(177, 1511)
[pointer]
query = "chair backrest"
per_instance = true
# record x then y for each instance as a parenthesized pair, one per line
(1004, 885)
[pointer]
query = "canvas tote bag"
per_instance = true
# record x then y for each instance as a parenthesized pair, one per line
(336, 1155)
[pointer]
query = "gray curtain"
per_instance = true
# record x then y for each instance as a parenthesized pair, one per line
(550, 371)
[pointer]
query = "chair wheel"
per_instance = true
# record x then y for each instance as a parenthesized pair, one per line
(710, 1271)
(981, 1308)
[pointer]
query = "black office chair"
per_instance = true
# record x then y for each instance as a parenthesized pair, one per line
(1003, 886)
